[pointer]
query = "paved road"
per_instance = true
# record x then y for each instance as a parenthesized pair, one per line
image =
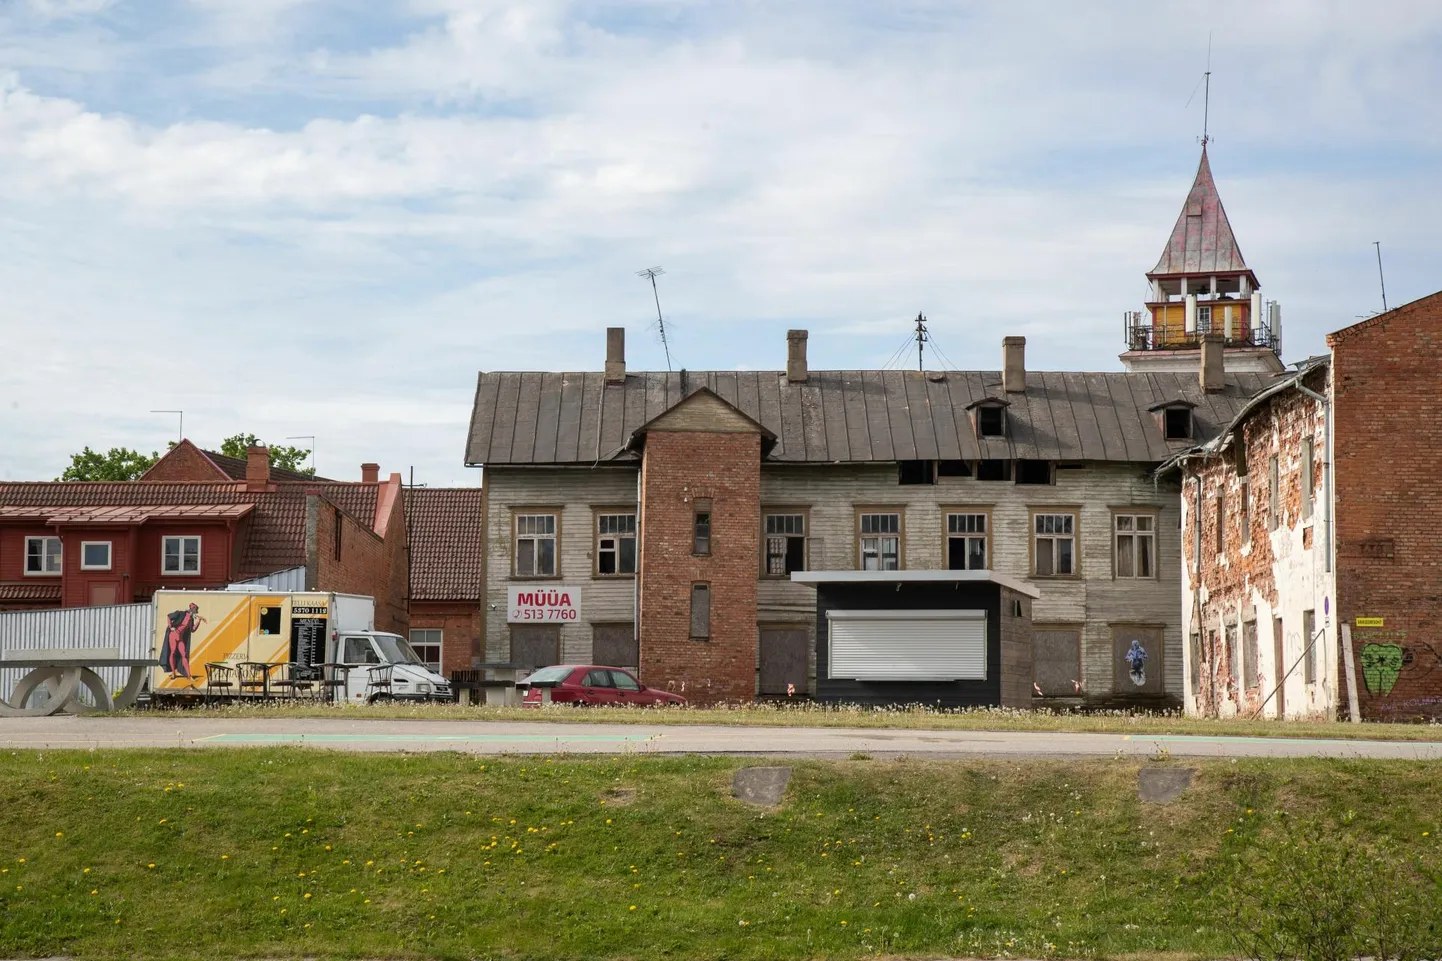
(507, 737)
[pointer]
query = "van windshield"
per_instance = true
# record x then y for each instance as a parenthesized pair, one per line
(396, 650)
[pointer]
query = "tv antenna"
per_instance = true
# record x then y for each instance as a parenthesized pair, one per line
(652, 273)
(921, 338)
(180, 431)
(1206, 85)
(311, 438)
(1380, 278)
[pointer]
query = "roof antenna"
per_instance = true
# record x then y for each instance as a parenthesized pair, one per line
(311, 438)
(920, 339)
(652, 273)
(1381, 279)
(180, 433)
(1206, 84)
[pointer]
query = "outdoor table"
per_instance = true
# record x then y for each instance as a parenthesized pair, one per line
(63, 671)
(263, 668)
(504, 692)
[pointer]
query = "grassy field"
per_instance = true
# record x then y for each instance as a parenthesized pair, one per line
(815, 715)
(280, 853)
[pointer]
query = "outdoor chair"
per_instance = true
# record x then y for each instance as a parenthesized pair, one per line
(219, 681)
(378, 683)
(253, 679)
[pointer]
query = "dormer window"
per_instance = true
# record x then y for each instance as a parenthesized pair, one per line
(1175, 419)
(989, 416)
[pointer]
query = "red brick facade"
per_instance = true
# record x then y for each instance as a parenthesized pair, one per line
(460, 625)
(360, 560)
(677, 469)
(1389, 498)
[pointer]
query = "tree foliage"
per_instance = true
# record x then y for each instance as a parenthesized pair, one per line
(286, 458)
(116, 464)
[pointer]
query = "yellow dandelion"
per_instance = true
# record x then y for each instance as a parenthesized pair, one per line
(633, 907)
(367, 900)
(60, 834)
(86, 871)
(151, 865)
(94, 892)
(307, 895)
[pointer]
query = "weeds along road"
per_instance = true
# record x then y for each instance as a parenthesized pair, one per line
(515, 737)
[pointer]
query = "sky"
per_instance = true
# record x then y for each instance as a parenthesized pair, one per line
(322, 218)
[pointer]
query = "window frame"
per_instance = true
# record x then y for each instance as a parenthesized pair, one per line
(1135, 512)
(783, 511)
(1308, 480)
(857, 550)
(516, 514)
(1219, 507)
(1075, 514)
(703, 587)
(1000, 415)
(199, 555)
(596, 537)
(1309, 653)
(45, 555)
(438, 643)
(1274, 491)
(947, 512)
(109, 556)
(1174, 410)
(702, 506)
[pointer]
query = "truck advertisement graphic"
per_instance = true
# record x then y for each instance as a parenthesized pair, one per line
(195, 628)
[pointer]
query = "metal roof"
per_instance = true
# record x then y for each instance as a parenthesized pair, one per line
(1202, 240)
(128, 515)
(851, 416)
(915, 577)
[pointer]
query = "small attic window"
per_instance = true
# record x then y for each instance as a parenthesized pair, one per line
(916, 472)
(990, 420)
(1177, 422)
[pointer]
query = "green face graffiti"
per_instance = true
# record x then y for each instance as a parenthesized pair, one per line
(1381, 664)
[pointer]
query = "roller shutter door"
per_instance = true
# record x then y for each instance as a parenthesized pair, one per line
(907, 645)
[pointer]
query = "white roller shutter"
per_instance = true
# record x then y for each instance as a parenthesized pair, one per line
(907, 645)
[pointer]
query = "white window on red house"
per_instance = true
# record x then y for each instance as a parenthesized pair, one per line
(95, 556)
(426, 642)
(180, 555)
(42, 556)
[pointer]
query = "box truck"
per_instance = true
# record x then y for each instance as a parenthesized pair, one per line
(283, 636)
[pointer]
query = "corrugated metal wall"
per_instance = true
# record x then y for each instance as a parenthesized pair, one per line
(289, 580)
(126, 626)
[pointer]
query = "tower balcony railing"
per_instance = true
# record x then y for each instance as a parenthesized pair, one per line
(1141, 334)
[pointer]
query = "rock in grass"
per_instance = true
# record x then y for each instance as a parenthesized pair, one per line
(1163, 785)
(761, 786)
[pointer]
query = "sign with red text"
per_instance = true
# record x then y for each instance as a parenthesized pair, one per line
(543, 604)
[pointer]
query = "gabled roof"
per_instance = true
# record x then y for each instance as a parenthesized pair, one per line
(709, 410)
(1381, 320)
(1202, 240)
(234, 467)
(126, 515)
(447, 545)
(187, 462)
(849, 416)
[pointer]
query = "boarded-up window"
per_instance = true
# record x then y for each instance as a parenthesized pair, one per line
(1137, 654)
(614, 645)
(1056, 662)
(1251, 653)
(1232, 677)
(701, 611)
(535, 645)
(1309, 659)
(1196, 659)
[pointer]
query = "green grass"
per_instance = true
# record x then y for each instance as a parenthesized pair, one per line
(289, 853)
(818, 715)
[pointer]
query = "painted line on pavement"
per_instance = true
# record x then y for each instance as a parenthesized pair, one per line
(363, 738)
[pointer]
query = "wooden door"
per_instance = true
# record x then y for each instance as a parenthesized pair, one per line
(104, 593)
(535, 645)
(784, 659)
(1279, 666)
(614, 645)
(1056, 662)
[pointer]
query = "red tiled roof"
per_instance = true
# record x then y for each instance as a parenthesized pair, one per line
(30, 592)
(235, 467)
(446, 526)
(275, 538)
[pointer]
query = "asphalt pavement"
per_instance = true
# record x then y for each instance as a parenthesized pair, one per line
(540, 737)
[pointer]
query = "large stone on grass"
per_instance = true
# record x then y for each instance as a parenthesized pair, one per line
(761, 786)
(1163, 785)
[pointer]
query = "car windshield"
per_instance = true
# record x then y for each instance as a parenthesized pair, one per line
(396, 650)
(547, 674)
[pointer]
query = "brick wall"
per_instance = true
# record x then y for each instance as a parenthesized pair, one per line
(677, 468)
(1389, 498)
(1016, 650)
(183, 463)
(365, 564)
(460, 626)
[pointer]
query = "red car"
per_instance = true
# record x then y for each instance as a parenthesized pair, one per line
(593, 684)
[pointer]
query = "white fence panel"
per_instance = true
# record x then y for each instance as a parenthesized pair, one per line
(129, 627)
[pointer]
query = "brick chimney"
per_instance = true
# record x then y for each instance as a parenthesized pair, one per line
(1013, 365)
(370, 473)
(1211, 370)
(257, 468)
(796, 356)
(615, 355)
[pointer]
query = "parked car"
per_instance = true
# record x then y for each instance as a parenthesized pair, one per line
(593, 684)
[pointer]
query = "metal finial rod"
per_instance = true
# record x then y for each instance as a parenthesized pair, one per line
(311, 438)
(652, 273)
(1380, 278)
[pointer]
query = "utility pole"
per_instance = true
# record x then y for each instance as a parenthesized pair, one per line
(920, 340)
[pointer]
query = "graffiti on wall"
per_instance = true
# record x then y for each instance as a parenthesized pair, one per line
(1387, 655)
(1136, 658)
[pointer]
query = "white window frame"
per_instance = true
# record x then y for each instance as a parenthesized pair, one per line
(874, 543)
(1128, 527)
(983, 535)
(109, 555)
(180, 553)
(1048, 540)
(614, 547)
(535, 538)
(419, 643)
(46, 556)
(781, 537)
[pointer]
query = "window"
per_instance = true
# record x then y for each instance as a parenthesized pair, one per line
(1136, 546)
(701, 526)
(966, 542)
(1220, 504)
(597, 679)
(535, 545)
(1177, 422)
(180, 555)
(1274, 501)
(785, 544)
(624, 682)
(701, 611)
(95, 555)
(1054, 545)
(1309, 650)
(339, 533)
(615, 544)
(426, 642)
(360, 650)
(993, 470)
(1204, 320)
(1196, 666)
(916, 472)
(1251, 654)
(953, 468)
(1033, 472)
(42, 555)
(1244, 491)
(879, 542)
(1308, 480)
(991, 420)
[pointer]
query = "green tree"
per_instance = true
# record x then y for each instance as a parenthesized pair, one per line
(116, 464)
(286, 458)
